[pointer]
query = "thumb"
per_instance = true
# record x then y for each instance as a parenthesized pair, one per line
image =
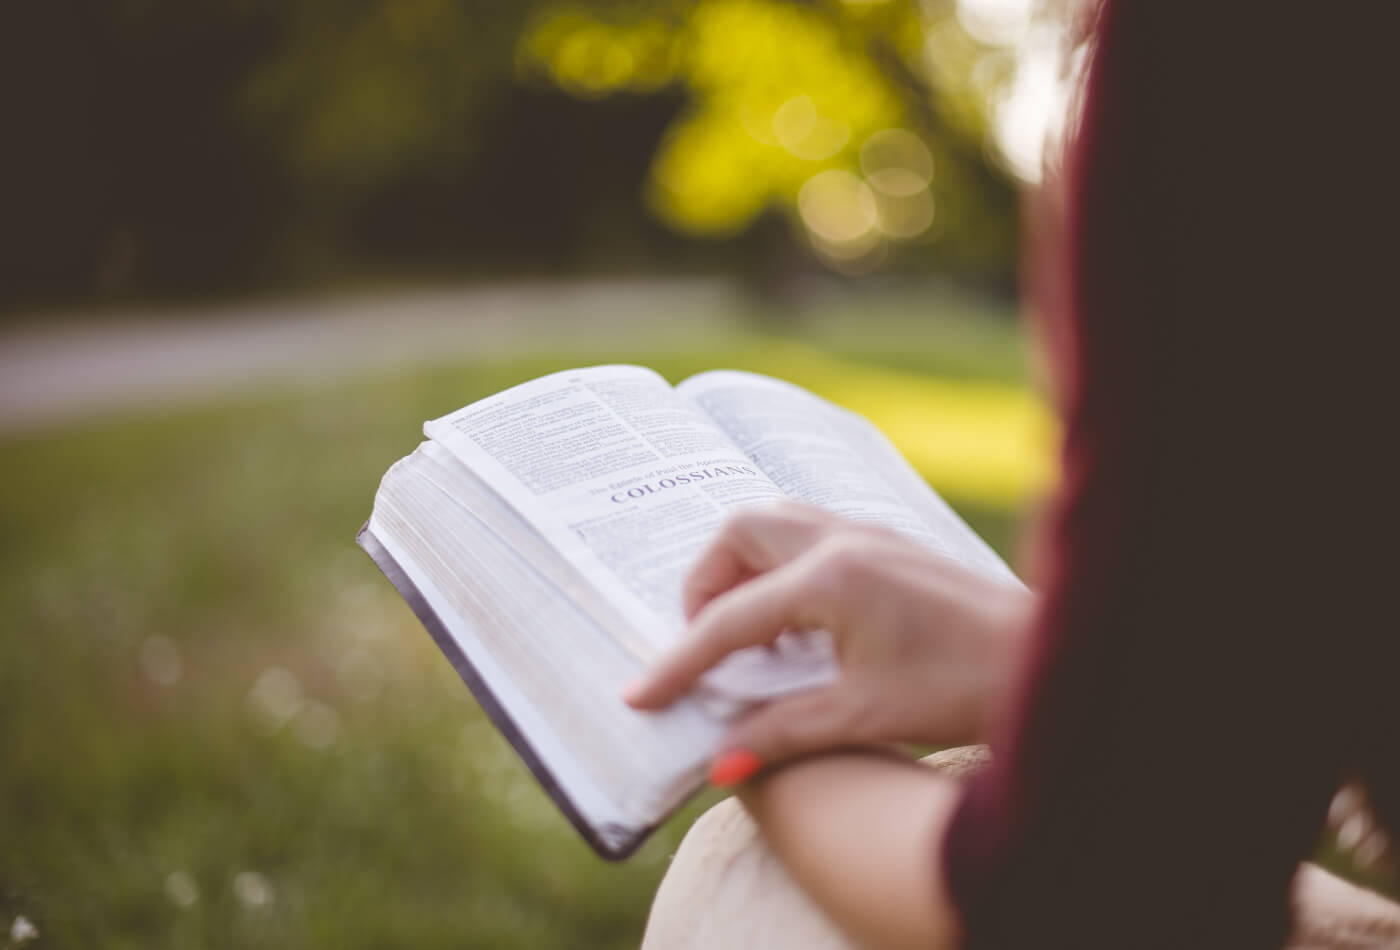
(810, 721)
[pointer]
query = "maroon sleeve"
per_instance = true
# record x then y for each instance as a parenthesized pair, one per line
(1216, 647)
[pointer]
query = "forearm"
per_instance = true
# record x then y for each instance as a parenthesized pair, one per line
(859, 832)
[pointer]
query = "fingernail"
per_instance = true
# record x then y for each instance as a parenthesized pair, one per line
(633, 690)
(734, 766)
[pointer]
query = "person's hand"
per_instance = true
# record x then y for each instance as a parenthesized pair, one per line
(926, 647)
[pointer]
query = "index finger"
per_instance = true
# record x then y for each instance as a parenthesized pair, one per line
(750, 543)
(752, 614)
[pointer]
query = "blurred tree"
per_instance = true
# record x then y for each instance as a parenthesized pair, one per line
(123, 166)
(856, 118)
(363, 95)
(156, 147)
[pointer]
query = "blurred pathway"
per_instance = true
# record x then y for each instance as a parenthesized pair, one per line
(69, 368)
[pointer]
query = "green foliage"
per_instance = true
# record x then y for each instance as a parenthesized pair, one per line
(358, 90)
(165, 147)
(592, 58)
(780, 93)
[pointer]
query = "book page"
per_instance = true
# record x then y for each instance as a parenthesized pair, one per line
(562, 691)
(626, 480)
(832, 458)
(465, 489)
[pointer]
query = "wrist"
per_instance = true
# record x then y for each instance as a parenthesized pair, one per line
(778, 782)
(1002, 671)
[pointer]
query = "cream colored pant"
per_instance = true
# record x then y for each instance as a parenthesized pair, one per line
(726, 889)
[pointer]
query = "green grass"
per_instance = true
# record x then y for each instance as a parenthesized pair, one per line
(383, 811)
(369, 796)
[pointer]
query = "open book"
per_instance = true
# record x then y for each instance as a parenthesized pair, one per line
(542, 536)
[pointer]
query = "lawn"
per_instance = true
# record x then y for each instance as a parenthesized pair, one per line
(221, 727)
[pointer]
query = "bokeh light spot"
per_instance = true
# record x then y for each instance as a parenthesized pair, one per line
(996, 22)
(317, 725)
(806, 133)
(160, 661)
(837, 207)
(896, 162)
(905, 217)
(274, 699)
(593, 62)
(181, 888)
(252, 889)
(793, 120)
(22, 931)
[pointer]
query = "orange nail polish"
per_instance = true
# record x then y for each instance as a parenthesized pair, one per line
(733, 766)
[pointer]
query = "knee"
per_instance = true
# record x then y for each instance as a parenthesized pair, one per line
(726, 888)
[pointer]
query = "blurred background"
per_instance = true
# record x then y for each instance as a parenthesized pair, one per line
(249, 246)
(158, 149)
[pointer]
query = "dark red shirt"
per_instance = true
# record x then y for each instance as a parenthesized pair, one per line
(1219, 643)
